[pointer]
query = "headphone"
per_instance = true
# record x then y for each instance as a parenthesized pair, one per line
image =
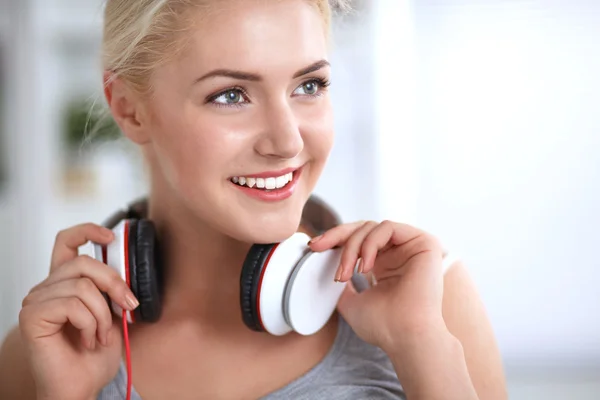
(284, 286)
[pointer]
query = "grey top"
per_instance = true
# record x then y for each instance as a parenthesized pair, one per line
(353, 369)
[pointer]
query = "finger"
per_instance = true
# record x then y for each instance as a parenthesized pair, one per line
(69, 240)
(351, 251)
(410, 258)
(48, 318)
(86, 291)
(379, 239)
(392, 234)
(334, 237)
(104, 277)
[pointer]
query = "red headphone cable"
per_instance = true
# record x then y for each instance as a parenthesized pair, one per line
(127, 353)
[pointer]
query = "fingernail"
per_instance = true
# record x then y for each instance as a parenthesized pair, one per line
(107, 233)
(132, 302)
(315, 239)
(359, 268)
(338, 275)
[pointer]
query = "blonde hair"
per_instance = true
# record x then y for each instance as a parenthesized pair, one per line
(140, 35)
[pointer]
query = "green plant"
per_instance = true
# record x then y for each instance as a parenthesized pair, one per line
(83, 124)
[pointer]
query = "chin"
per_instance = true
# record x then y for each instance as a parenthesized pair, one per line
(261, 226)
(263, 222)
(265, 230)
(274, 234)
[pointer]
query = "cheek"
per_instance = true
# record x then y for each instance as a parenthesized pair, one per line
(191, 150)
(318, 130)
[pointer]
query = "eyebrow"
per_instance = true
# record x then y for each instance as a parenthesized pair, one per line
(247, 76)
(311, 68)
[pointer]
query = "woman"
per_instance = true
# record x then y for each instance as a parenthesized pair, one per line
(213, 91)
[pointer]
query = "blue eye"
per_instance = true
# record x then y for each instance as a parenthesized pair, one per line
(311, 88)
(232, 96)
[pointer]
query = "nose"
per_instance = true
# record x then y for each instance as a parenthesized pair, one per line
(280, 136)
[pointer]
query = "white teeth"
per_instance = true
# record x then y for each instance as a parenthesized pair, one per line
(281, 181)
(264, 183)
(270, 183)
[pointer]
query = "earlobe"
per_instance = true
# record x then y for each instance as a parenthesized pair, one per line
(125, 108)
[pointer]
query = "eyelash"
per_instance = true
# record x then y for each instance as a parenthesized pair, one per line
(322, 82)
(212, 98)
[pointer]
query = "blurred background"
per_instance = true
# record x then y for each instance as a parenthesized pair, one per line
(477, 121)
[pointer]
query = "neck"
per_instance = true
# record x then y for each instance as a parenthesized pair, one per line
(201, 266)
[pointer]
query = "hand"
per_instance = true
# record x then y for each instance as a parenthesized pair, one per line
(406, 263)
(402, 312)
(73, 345)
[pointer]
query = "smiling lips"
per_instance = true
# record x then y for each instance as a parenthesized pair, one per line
(273, 186)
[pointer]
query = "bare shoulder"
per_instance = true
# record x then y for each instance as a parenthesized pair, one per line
(16, 381)
(466, 318)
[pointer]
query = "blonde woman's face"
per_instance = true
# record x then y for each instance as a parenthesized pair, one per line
(242, 122)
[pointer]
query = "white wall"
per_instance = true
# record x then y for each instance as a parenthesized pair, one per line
(509, 161)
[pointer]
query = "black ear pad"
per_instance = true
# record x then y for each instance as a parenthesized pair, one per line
(252, 270)
(144, 271)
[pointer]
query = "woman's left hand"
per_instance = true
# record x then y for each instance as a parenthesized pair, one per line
(406, 262)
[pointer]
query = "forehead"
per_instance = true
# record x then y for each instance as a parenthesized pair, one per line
(257, 34)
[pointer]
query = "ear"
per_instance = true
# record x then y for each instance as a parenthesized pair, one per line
(126, 108)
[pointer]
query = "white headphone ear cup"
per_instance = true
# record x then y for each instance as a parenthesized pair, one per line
(97, 253)
(312, 294)
(116, 258)
(276, 273)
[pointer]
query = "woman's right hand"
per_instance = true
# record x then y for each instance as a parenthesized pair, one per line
(73, 343)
